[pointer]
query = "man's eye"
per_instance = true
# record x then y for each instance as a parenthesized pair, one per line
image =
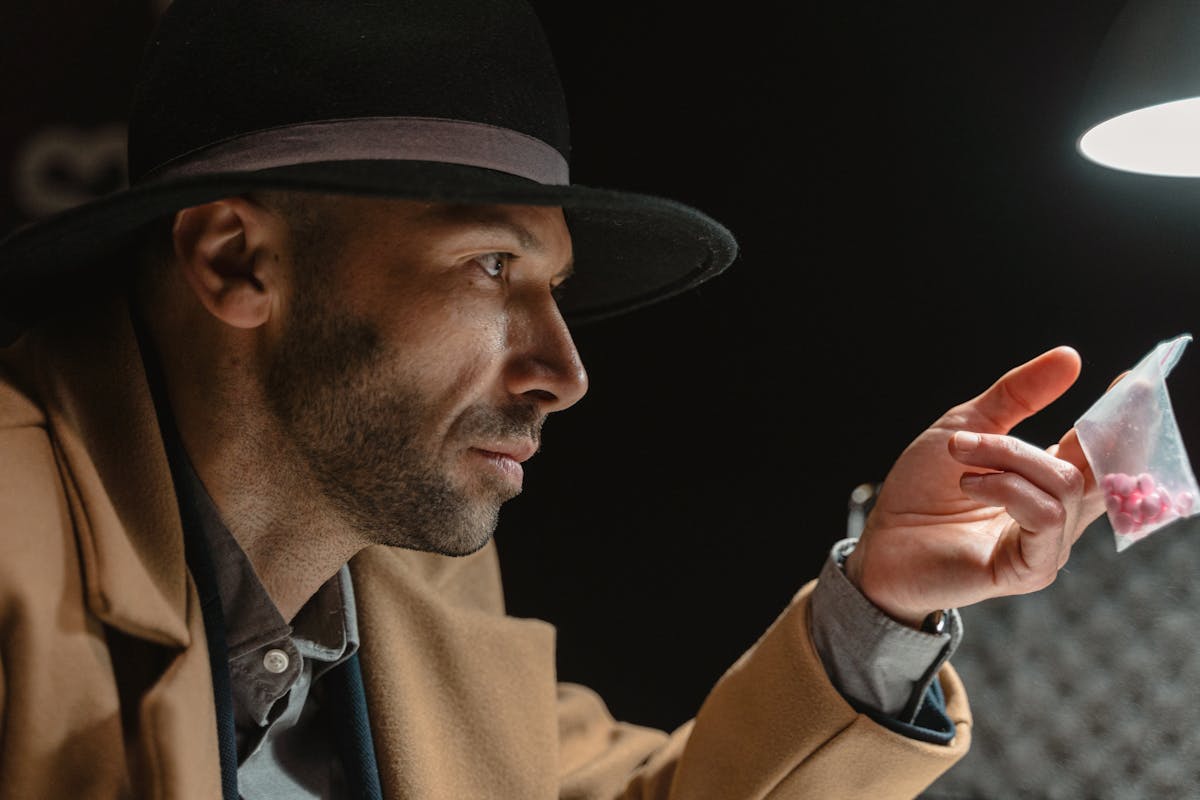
(493, 263)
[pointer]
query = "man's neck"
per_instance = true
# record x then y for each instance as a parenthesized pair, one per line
(261, 487)
(293, 542)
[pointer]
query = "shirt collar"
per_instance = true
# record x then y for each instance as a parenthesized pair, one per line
(325, 627)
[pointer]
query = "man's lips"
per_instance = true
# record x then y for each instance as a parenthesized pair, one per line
(517, 451)
(506, 457)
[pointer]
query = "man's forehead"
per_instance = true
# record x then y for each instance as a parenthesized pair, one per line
(510, 219)
(534, 227)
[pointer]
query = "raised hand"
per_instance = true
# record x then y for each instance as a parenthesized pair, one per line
(968, 513)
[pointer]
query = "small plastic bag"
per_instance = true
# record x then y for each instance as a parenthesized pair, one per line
(1132, 442)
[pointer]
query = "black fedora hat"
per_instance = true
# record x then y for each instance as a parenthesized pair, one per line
(445, 100)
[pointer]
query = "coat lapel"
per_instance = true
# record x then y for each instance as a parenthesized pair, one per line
(102, 420)
(88, 376)
(462, 698)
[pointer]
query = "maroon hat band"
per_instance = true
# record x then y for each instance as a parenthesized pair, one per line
(473, 144)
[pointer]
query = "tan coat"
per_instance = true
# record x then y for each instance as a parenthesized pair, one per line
(105, 688)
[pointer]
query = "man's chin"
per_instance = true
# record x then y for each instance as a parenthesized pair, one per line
(491, 490)
(468, 533)
(463, 549)
(461, 544)
(483, 497)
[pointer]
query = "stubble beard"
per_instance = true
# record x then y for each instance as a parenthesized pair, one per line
(361, 442)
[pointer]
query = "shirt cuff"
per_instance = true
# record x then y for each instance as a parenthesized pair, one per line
(873, 660)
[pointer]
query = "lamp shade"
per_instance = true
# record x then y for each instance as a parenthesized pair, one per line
(1141, 107)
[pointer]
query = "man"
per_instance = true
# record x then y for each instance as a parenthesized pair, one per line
(253, 458)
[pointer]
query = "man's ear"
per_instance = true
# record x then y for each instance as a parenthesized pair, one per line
(228, 252)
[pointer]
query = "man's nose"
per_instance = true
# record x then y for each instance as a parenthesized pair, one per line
(545, 365)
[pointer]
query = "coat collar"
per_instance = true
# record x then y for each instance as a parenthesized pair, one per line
(87, 371)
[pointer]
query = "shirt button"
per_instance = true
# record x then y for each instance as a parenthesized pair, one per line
(275, 661)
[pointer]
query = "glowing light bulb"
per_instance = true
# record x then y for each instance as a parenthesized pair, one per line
(1157, 140)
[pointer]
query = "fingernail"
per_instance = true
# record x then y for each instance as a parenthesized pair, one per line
(965, 440)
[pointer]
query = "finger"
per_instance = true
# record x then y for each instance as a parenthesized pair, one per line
(1117, 379)
(1054, 476)
(1031, 507)
(1031, 556)
(1025, 390)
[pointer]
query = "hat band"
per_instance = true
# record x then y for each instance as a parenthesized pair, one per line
(473, 144)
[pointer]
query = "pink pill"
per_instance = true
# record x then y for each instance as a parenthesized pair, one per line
(1112, 502)
(1123, 523)
(1151, 506)
(1145, 482)
(1183, 502)
(1122, 483)
(1106, 483)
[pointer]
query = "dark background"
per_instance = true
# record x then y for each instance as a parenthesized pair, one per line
(914, 221)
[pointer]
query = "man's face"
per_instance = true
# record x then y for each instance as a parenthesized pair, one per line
(414, 363)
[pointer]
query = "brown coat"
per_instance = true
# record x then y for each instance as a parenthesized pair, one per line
(105, 688)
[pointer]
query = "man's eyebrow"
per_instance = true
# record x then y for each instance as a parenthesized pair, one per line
(522, 234)
(487, 220)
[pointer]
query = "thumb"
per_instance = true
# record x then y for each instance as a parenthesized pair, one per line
(1025, 390)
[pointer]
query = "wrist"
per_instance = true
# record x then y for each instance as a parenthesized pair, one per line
(928, 620)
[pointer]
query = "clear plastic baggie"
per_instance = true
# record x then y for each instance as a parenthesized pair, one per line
(1132, 442)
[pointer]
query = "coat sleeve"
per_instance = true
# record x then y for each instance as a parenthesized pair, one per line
(772, 727)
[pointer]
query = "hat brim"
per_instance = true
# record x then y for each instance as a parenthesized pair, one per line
(631, 249)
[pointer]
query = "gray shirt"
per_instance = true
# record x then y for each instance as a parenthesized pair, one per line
(869, 656)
